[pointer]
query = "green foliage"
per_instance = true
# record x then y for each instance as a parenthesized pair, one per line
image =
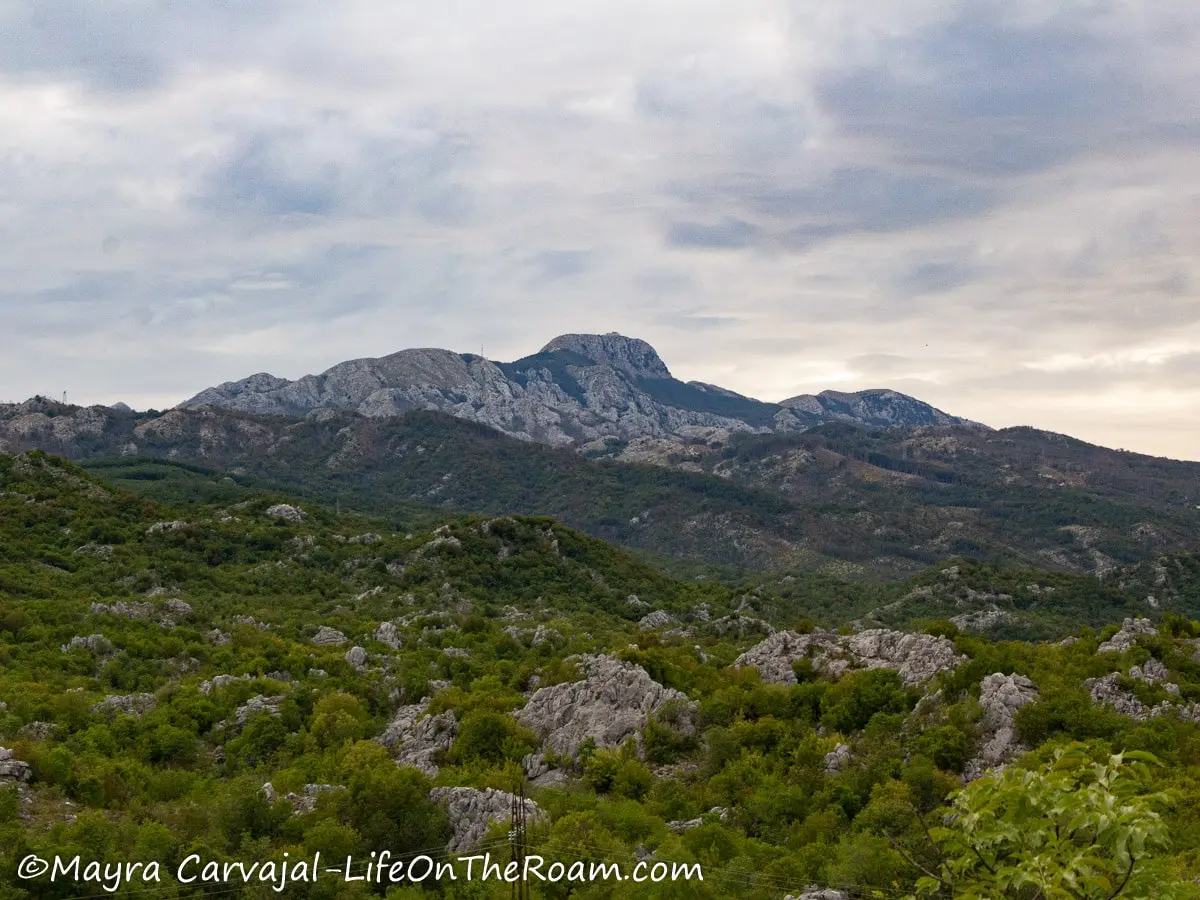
(1073, 828)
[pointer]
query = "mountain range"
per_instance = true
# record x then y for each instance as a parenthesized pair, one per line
(595, 432)
(579, 389)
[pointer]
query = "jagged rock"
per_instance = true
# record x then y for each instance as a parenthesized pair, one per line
(681, 826)
(386, 633)
(457, 652)
(219, 637)
(578, 388)
(1154, 672)
(817, 893)
(636, 603)
(612, 702)
(219, 681)
(1000, 696)
(357, 657)
(136, 610)
(257, 705)
(983, 619)
(37, 731)
(13, 770)
(1127, 636)
(251, 621)
(268, 791)
(130, 704)
(286, 512)
(328, 637)
(657, 619)
(177, 607)
(317, 673)
(472, 811)
(915, 657)
(306, 801)
(160, 527)
(416, 738)
(1107, 691)
(94, 643)
(838, 759)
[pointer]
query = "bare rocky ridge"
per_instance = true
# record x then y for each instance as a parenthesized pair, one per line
(417, 738)
(915, 657)
(578, 388)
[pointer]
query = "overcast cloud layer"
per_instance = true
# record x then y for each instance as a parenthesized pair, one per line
(993, 206)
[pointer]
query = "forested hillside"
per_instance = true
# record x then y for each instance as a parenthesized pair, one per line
(243, 676)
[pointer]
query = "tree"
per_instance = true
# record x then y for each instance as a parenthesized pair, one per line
(1075, 829)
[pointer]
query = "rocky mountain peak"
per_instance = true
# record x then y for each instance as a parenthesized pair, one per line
(631, 355)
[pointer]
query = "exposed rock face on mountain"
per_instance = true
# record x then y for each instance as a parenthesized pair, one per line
(915, 657)
(1127, 636)
(416, 738)
(576, 389)
(471, 811)
(1000, 696)
(612, 702)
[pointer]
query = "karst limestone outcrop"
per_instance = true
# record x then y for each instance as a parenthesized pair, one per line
(1128, 635)
(613, 701)
(473, 811)
(578, 388)
(915, 657)
(1000, 696)
(416, 738)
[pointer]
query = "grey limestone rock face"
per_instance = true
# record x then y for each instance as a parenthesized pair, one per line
(416, 738)
(657, 619)
(12, 769)
(915, 657)
(473, 811)
(129, 704)
(328, 637)
(94, 643)
(286, 512)
(1127, 636)
(357, 657)
(837, 759)
(257, 705)
(386, 633)
(612, 702)
(578, 388)
(1000, 696)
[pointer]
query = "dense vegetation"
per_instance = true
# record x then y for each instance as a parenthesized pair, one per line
(116, 775)
(847, 501)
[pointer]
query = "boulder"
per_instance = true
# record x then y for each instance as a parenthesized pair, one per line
(357, 657)
(129, 704)
(328, 637)
(1127, 636)
(286, 512)
(13, 770)
(915, 657)
(416, 738)
(473, 811)
(612, 702)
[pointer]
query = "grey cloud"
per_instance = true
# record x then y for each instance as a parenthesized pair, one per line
(330, 166)
(552, 265)
(935, 277)
(727, 234)
(982, 93)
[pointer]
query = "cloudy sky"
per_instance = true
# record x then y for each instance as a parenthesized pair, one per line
(993, 206)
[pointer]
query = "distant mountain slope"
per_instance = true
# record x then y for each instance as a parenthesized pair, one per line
(841, 499)
(578, 388)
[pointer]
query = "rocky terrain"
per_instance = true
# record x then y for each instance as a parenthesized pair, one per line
(578, 389)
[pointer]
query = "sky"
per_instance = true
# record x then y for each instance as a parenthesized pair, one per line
(991, 206)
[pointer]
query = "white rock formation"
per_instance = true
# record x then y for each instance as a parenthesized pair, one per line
(416, 738)
(328, 637)
(612, 702)
(915, 657)
(1000, 696)
(1127, 636)
(473, 811)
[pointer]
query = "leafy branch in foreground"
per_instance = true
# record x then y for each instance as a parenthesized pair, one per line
(1075, 829)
